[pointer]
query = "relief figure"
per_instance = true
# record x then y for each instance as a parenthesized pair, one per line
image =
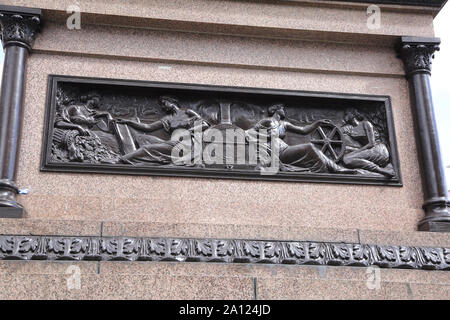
(366, 151)
(154, 149)
(72, 131)
(187, 131)
(300, 157)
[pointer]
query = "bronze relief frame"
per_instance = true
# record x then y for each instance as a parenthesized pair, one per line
(127, 127)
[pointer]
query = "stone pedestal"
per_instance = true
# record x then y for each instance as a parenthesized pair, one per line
(346, 230)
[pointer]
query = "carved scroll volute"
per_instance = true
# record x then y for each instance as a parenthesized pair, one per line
(418, 57)
(19, 30)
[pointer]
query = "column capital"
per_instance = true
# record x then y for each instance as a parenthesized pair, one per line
(19, 26)
(417, 53)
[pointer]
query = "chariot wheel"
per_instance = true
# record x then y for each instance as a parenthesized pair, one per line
(330, 140)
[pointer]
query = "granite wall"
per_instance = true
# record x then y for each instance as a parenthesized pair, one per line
(296, 45)
(111, 51)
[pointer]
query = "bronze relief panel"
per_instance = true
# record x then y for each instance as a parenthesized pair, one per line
(135, 127)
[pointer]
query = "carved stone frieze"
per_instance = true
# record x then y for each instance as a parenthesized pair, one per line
(18, 247)
(191, 130)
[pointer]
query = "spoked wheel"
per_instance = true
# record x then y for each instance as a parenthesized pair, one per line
(329, 139)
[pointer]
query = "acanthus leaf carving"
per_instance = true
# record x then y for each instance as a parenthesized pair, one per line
(204, 247)
(408, 254)
(217, 250)
(252, 248)
(7, 244)
(19, 29)
(225, 248)
(447, 255)
(386, 253)
(361, 253)
(109, 246)
(417, 56)
(296, 249)
(179, 247)
(157, 246)
(317, 251)
(131, 246)
(431, 256)
(272, 250)
(340, 251)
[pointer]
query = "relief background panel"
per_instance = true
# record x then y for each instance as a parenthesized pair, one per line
(205, 201)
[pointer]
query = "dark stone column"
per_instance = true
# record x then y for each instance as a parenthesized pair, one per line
(18, 29)
(417, 55)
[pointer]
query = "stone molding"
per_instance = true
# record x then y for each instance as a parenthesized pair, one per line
(41, 247)
(423, 3)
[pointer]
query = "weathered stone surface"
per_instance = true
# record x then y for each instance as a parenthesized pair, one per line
(292, 289)
(252, 36)
(50, 227)
(301, 19)
(406, 238)
(227, 231)
(178, 200)
(166, 280)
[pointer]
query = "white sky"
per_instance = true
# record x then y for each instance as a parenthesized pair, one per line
(439, 82)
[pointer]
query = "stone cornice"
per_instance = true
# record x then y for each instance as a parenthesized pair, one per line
(19, 26)
(424, 3)
(41, 247)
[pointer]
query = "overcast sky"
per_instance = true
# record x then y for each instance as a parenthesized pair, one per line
(439, 82)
